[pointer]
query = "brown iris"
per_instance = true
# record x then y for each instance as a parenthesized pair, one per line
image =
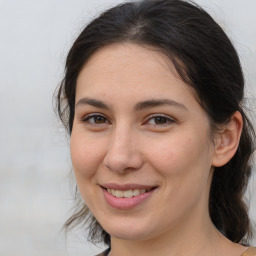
(160, 120)
(99, 119)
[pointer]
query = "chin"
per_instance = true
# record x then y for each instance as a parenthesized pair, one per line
(127, 230)
(130, 235)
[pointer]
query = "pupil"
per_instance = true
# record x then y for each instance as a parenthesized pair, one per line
(99, 120)
(160, 120)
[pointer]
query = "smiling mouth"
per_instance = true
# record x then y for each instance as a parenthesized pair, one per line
(127, 193)
(127, 196)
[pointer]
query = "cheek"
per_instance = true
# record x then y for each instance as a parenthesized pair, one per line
(184, 165)
(169, 154)
(181, 159)
(86, 154)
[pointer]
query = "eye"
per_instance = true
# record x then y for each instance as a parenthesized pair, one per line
(95, 119)
(159, 120)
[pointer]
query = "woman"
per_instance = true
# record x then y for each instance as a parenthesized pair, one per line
(160, 143)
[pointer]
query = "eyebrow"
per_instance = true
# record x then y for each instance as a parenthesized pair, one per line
(92, 102)
(138, 107)
(158, 102)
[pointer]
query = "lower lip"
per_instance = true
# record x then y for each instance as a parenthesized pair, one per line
(122, 203)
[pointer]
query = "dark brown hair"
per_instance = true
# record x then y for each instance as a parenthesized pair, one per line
(206, 60)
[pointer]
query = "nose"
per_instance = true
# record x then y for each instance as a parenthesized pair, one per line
(123, 152)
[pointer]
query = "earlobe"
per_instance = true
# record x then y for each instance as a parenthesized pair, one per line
(227, 141)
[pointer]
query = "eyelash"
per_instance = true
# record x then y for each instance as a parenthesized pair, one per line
(167, 119)
(87, 118)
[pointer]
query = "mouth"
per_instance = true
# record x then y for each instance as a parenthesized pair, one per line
(128, 193)
(124, 197)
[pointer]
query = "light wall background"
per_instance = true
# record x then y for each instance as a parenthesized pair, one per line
(35, 36)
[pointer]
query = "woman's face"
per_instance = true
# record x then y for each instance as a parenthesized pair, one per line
(140, 144)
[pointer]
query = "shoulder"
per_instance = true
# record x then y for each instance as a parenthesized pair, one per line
(250, 252)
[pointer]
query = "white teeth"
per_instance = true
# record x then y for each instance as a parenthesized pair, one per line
(127, 193)
(136, 192)
(119, 193)
(113, 192)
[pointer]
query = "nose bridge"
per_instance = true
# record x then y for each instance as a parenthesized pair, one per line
(123, 153)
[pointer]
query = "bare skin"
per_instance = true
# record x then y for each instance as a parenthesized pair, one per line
(136, 122)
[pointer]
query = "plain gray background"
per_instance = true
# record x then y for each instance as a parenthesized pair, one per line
(35, 36)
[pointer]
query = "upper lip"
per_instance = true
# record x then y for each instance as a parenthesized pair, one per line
(129, 186)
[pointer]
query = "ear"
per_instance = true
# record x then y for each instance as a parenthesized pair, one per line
(227, 141)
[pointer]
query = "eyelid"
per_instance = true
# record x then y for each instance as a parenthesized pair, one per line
(169, 119)
(86, 117)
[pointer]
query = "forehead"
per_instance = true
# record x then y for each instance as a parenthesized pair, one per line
(131, 71)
